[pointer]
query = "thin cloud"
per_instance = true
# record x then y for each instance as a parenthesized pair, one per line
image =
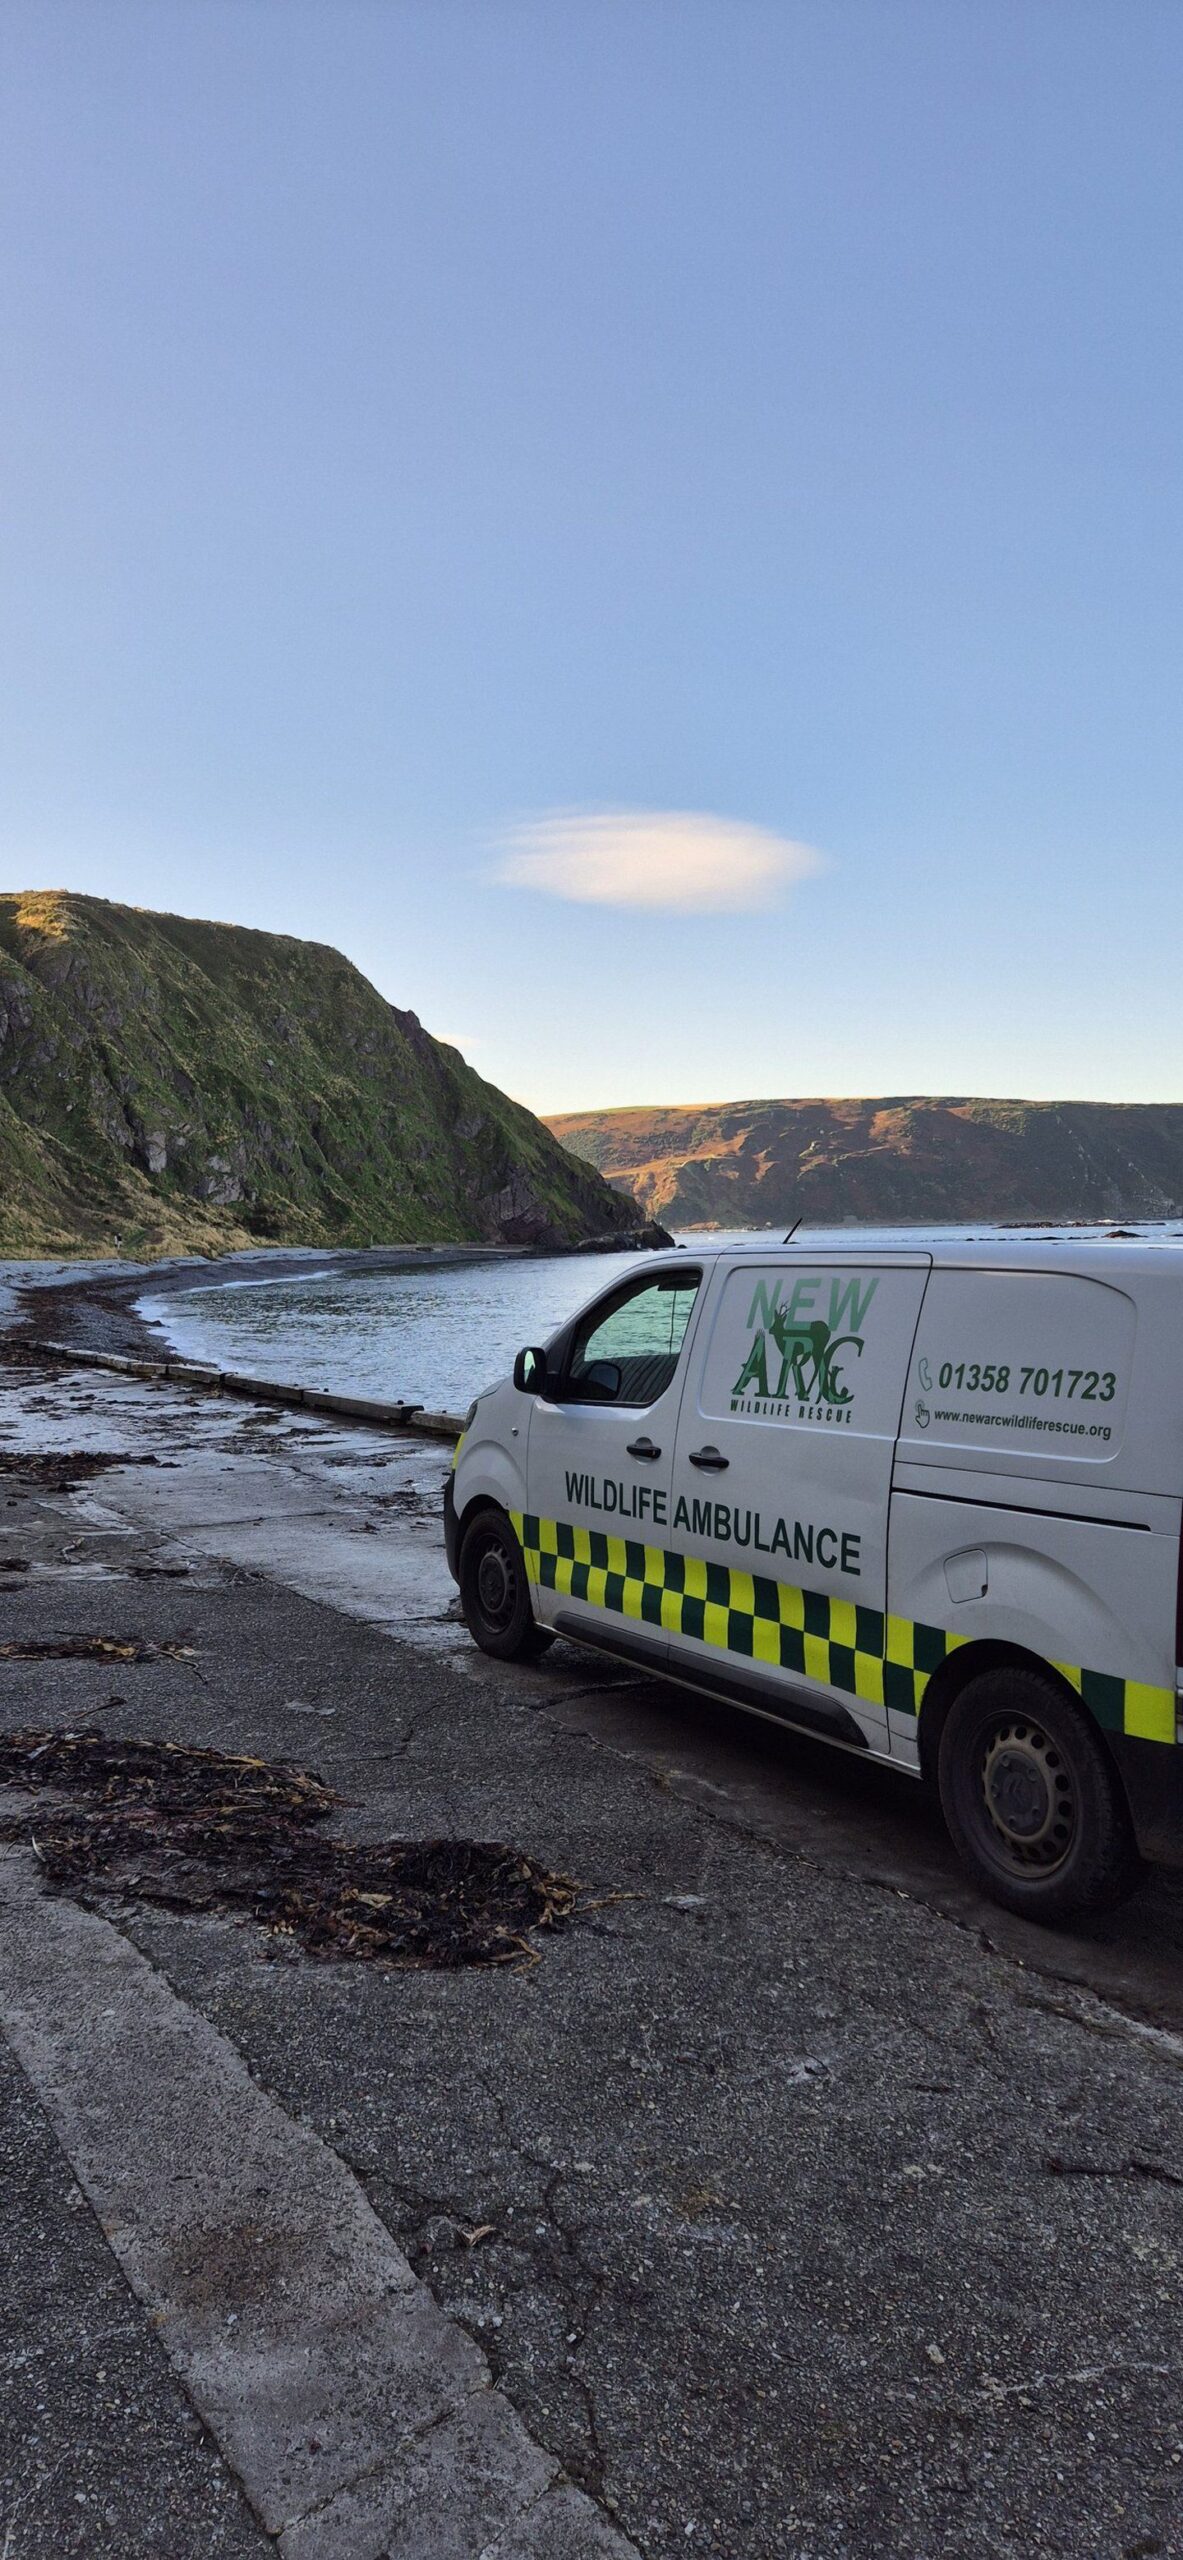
(682, 860)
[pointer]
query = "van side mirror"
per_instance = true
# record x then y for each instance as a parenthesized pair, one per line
(529, 1372)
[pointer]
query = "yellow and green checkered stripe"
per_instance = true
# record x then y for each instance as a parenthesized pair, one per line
(885, 1661)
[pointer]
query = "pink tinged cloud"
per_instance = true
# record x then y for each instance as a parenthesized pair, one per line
(680, 860)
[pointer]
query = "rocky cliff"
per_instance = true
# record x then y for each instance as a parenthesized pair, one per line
(896, 1159)
(169, 1086)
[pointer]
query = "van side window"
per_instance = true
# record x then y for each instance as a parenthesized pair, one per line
(626, 1350)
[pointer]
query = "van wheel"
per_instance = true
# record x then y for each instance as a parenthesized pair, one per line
(494, 1592)
(1031, 1801)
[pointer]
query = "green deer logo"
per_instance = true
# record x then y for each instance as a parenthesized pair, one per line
(811, 1371)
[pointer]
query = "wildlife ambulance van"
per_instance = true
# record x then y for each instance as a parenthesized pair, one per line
(927, 1505)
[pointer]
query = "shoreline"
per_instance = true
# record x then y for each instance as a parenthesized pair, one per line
(94, 1307)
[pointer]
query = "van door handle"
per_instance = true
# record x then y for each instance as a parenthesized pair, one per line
(709, 1457)
(642, 1449)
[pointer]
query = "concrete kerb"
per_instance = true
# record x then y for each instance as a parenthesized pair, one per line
(360, 2420)
(383, 1416)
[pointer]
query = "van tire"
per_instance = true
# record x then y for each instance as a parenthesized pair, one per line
(495, 1593)
(1032, 1803)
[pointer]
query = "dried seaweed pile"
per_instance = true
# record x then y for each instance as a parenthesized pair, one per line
(92, 1649)
(202, 1830)
(59, 1470)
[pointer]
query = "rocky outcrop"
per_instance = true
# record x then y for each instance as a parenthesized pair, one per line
(168, 1085)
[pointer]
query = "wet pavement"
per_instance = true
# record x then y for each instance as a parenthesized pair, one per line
(797, 2201)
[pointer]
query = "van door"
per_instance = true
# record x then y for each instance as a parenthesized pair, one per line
(781, 1482)
(599, 1464)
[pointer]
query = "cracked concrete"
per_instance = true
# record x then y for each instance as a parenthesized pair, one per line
(357, 2419)
(752, 2196)
(99, 2449)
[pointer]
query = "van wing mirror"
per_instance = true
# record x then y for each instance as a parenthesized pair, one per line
(529, 1372)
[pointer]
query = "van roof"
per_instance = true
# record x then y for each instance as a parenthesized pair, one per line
(1095, 1252)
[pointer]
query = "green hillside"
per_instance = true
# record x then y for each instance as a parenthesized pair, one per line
(896, 1159)
(172, 1086)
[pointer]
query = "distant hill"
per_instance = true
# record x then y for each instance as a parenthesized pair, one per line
(169, 1086)
(900, 1158)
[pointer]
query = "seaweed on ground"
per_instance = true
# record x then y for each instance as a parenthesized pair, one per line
(195, 1830)
(59, 1470)
(93, 1649)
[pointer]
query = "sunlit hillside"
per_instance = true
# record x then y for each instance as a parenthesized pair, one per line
(919, 1157)
(172, 1085)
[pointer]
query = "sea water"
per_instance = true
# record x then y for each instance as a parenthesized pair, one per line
(438, 1336)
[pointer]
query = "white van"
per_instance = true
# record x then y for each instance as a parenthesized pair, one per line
(927, 1505)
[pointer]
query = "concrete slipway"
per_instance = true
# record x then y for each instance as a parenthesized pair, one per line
(793, 2203)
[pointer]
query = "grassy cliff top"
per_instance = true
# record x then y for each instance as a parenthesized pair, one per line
(168, 1084)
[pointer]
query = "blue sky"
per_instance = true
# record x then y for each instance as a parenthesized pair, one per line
(481, 481)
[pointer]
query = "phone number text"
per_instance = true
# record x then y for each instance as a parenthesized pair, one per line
(986, 1377)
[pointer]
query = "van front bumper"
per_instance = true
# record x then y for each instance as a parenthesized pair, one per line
(1152, 1774)
(451, 1529)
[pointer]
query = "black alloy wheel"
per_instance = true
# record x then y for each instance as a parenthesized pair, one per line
(1031, 1799)
(494, 1591)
